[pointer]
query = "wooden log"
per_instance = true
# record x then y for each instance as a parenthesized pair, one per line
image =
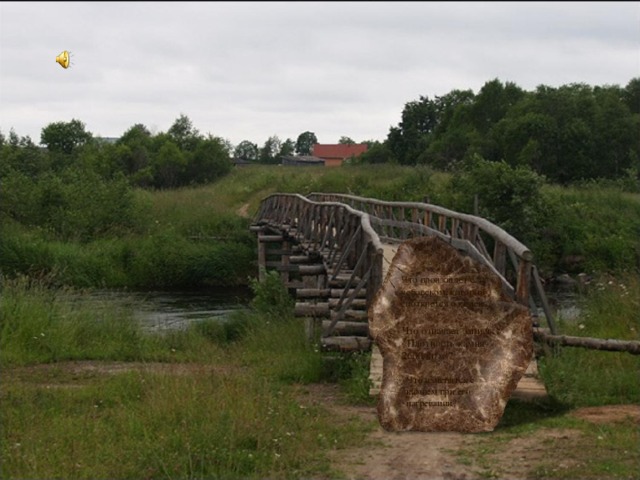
(351, 314)
(311, 329)
(284, 258)
(337, 293)
(543, 299)
(522, 285)
(356, 303)
(348, 328)
(311, 269)
(313, 293)
(346, 344)
(262, 261)
(307, 270)
(270, 238)
(279, 251)
(305, 309)
(611, 345)
(281, 267)
(342, 280)
(298, 259)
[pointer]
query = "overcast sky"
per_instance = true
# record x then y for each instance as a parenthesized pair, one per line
(246, 71)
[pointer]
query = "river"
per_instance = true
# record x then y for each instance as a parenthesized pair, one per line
(168, 310)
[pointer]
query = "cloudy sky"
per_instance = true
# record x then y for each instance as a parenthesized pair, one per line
(246, 71)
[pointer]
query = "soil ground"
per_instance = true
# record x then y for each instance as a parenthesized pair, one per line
(432, 456)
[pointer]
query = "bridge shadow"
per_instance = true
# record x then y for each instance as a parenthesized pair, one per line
(521, 412)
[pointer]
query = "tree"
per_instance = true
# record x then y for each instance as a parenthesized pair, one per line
(270, 150)
(20, 154)
(133, 149)
(183, 134)
(65, 137)
(247, 151)
(287, 148)
(305, 143)
(631, 95)
(138, 134)
(346, 141)
(509, 197)
(210, 161)
(169, 164)
(411, 136)
(225, 142)
(377, 153)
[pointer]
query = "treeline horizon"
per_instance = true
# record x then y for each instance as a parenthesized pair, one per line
(571, 133)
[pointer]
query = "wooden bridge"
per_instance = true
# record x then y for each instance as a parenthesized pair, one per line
(334, 251)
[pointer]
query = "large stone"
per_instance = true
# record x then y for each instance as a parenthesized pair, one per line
(454, 343)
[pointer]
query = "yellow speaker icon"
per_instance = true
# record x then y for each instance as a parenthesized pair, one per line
(63, 59)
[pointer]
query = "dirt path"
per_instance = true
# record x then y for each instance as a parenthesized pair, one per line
(435, 456)
(393, 456)
(408, 455)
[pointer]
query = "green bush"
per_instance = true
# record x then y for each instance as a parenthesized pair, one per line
(74, 205)
(271, 297)
(508, 196)
(592, 229)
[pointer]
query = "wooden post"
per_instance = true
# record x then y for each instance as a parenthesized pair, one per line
(500, 257)
(284, 261)
(262, 259)
(522, 285)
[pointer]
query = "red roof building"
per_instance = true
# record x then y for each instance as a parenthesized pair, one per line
(334, 154)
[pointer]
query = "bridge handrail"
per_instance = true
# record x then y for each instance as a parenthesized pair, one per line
(495, 231)
(521, 257)
(365, 217)
(391, 218)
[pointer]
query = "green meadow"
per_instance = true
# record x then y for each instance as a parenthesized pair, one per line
(86, 393)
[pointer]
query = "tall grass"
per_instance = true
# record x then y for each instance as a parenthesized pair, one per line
(143, 425)
(38, 325)
(577, 377)
(233, 414)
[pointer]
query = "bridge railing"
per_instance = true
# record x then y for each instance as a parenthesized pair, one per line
(345, 236)
(488, 243)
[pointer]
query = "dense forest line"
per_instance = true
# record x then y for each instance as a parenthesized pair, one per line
(572, 133)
